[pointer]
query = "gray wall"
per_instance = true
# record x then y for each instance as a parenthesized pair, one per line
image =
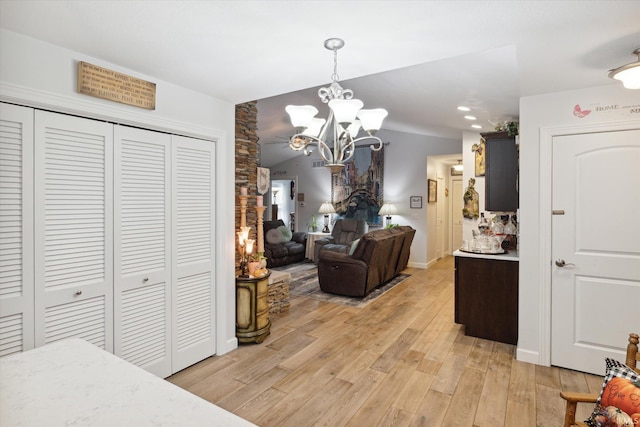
(405, 175)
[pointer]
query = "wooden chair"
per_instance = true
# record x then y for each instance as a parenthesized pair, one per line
(632, 360)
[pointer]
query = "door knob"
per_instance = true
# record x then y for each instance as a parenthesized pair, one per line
(561, 263)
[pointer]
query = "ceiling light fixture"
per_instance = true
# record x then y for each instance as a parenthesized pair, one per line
(463, 108)
(470, 117)
(476, 126)
(343, 111)
(458, 167)
(628, 74)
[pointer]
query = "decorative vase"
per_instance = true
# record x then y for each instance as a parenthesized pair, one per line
(253, 266)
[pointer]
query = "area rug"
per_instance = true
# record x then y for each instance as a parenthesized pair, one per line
(304, 282)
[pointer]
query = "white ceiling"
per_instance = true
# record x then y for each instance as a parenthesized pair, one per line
(417, 59)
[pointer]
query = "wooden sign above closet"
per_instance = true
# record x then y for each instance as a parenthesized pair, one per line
(113, 86)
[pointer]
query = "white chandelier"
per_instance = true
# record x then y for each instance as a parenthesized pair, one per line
(344, 113)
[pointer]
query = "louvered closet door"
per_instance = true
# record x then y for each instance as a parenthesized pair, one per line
(142, 202)
(73, 229)
(16, 229)
(192, 251)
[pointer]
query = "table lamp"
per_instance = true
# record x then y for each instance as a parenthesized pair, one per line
(327, 209)
(388, 209)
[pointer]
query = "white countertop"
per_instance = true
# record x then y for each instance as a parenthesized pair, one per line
(74, 383)
(511, 255)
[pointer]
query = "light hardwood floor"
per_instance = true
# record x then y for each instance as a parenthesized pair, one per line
(399, 361)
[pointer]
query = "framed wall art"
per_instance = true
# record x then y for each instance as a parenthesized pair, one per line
(356, 191)
(415, 202)
(432, 195)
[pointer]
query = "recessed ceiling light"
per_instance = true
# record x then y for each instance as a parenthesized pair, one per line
(476, 126)
(470, 117)
(463, 108)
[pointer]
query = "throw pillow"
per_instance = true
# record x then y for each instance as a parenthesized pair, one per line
(619, 400)
(274, 236)
(285, 232)
(354, 245)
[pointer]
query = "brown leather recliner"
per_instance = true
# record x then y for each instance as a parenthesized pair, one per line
(345, 232)
(379, 256)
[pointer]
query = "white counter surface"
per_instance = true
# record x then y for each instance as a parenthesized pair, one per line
(511, 255)
(74, 383)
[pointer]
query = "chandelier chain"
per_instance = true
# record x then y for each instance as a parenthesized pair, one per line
(334, 76)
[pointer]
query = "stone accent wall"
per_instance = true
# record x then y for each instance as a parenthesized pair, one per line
(278, 292)
(247, 155)
(247, 161)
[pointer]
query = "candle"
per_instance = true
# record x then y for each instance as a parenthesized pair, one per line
(259, 200)
(243, 191)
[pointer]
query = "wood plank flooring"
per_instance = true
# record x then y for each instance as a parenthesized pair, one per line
(400, 361)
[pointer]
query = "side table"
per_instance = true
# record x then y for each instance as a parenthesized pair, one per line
(311, 240)
(252, 309)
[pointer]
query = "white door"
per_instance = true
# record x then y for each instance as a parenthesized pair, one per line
(73, 229)
(142, 241)
(440, 204)
(595, 247)
(16, 229)
(193, 258)
(457, 203)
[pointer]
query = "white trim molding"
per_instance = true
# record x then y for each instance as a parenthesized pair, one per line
(545, 196)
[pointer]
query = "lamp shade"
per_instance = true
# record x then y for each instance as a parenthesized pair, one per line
(314, 127)
(326, 208)
(628, 74)
(301, 115)
(372, 119)
(388, 209)
(345, 110)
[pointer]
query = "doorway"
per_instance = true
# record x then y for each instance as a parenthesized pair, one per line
(282, 203)
(457, 194)
(595, 273)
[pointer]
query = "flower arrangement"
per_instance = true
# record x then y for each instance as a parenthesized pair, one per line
(511, 128)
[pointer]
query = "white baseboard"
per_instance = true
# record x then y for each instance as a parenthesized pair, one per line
(528, 356)
(417, 265)
(229, 345)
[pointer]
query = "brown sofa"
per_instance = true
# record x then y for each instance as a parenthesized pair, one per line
(379, 256)
(286, 251)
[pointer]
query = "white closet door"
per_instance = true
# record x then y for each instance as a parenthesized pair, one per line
(142, 203)
(16, 229)
(73, 229)
(192, 251)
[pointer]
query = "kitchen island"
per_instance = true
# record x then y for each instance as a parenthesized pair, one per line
(486, 295)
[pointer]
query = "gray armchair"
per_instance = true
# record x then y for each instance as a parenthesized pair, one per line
(344, 233)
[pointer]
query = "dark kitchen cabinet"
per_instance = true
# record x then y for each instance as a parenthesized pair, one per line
(501, 172)
(486, 298)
